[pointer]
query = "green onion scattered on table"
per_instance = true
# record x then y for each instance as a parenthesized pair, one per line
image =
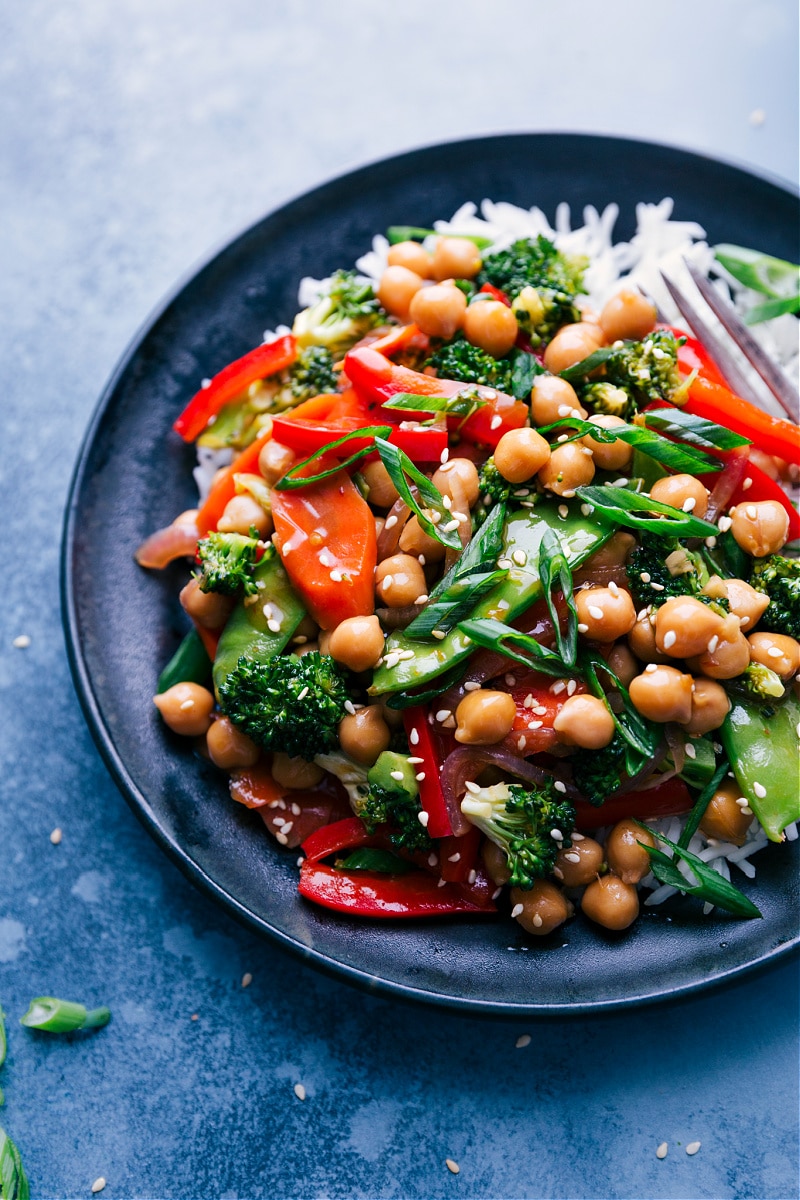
(62, 1016)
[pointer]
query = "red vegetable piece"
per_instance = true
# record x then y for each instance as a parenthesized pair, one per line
(429, 744)
(756, 486)
(225, 488)
(367, 894)
(341, 835)
(666, 800)
(770, 434)
(458, 856)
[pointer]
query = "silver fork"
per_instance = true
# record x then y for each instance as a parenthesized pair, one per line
(775, 379)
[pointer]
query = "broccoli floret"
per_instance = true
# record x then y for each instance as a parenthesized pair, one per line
(524, 824)
(779, 578)
(346, 310)
(312, 374)
(399, 810)
(461, 360)
(659, 568)
(597, 773)
(289, 703)
(761, 682)
(535, 263)
(491, 483)
(227, 561)
(646, 370)
(541, 311)
(608, 398)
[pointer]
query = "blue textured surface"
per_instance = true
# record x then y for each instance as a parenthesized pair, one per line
(133, 137)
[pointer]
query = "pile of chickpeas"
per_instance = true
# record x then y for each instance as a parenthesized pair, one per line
(673, 657)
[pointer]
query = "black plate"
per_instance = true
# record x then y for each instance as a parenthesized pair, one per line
(122, 623)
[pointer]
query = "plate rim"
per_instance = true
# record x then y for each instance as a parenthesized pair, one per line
(136, 799)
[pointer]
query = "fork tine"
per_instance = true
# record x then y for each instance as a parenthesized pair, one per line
(773, 376)
(722, 357)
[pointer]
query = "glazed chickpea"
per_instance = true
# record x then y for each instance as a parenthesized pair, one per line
(520, 454)
(685, 626)
(611, 903)
(438, 310)
(496, 863)
(484, 717)
(642, 639)
(357, 642)
(626, 858)
(743, 600)
(397, 288)
(455, 258)
(491, 325)
(578, 865)
(412, 256)
(584, 721)
(295, 772)
(663, 694)
(760, 528)
(274, 460)
(569, 467)
(458, 477)
(726, 817)
(710, 706)
(209, 609)
(414, 540)
(605, 613)
(683, 492)
(776, 651)
(241, 513)
(307, 648)
(542, 908)
(728, 659)
(571, 345)
(552, 399)
(228, 747)
(399, 581)
(609, 456)
(622, 663)
(364, 734)
(628, 315)
(382, 491)
(186, 708)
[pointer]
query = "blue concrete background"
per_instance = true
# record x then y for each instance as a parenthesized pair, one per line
(135, 136)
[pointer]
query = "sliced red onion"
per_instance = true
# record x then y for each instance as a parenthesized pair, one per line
(178, 540)
(389, 539)
(464, 764)
(726, 484)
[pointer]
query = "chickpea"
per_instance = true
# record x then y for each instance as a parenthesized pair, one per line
(228, 747)
(484, 717)
(412, 256)
(776, 651)
(496, 863)
(414, 540)
(382, 491)
(642, 639)
(743, 600)
(611, 903)
(622, 663)
(569, 467)
(710, 706)
(295, 772)
(663, 694)
(521, 454)
(307, 648)
(571, 345)
(760, 528)
(209, 609)
(544, 907)
(626, 858)
(685, 626)
(364, 734)
(726, 817)
(584, 721)
(186, 708)
(683, 492)
(491, 325)
(578, 865)
(274, 460)
(729, 658)
(397, 288)
(399, 580)
(459, 475)
(241, 513)
(357, 642)
(627, 315)
(552, 399)
(438, 310)
(609, 456)
(455, 258)
(605, 613)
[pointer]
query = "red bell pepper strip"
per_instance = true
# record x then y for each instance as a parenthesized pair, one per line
(225, 487)
(254, 786)
(231, 381)
(421, 444)
(458, 856)
(341, 835)
(666, 800)
(489, 289)
(770, 434)
(756, 486)
(535, 688)
(366, 894)
(327, 542)
(424, 744)
(693, 356)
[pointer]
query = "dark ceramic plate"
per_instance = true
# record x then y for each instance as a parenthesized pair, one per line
(122, 623)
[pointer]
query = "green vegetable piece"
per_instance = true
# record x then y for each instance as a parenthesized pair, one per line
(430, 504)
(762, 746)
(62, 1016)
(385, 771)
(648, 565)
(623, 507)
(370, 858)
(390, 796)
(520, 821)
(779, 578)
(189, 664)
(346, 310)
(710, 885)
(699, 768)
(771, 309)
(598, 773)
(298, 477)
(580, 537)
(413, 233)
(701, 803)
(248, 634)
(13, 1180)
(771, 276)
(227, 561)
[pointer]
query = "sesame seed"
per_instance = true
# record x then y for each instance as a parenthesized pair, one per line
(661, 1152)
(299, 1091)
(564, 437)
(423, 819)
(520, 557)
(350, 707)
(657, 587)
(390, 523)
(713, 642)
(495, 422)
(670, 638)
(282, 838)
(751, 510)
(336, 576)
(415, 760)
(690, 750)
(504, 563)
(496, 892)
(577, 837)
(587, 510)
(420, 775)
(559, 786)
(387, 581)
(21, 642)
(689, 504)
(421, 559)
(556, 835)
(300, 640)
(447, 502)
(748, 483)
(295, 809)
(645, 577)
(432, 860)
(558, 687)
(472, 685)
(523, 1041)
(759, 790)
(511, 680)
(564, 410)
(302, 695)
(651, 668)
(451, 1165)
(563, 511)
(596, 612)
(503, 605)
(187, 704)
(724, 524)
(537, 920)
(247, 979)
(573, 858)
(521, 743)
(423, 599)
(413, 737)
(559, 874)
(472, 787)
(443, 714)
(775, 652)
(517, 910)
(287, 827)
(98, 1184)
(711, 542)
(55, 836)
(450, 526)
(439, 634)
(612, 587)
(540, 710)
(443, 457)
(454, 857)
(535, 724)
(398, 775)
(442, 883)
(473, 875)
(692, 1148)
(571, 686)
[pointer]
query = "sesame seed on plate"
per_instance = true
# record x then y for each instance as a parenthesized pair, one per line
(661, 1152)
(21, 642)
(523, 1041)
(299, 1091)
(247, 979)
(98, 1184)
(55, 836)
(450, 1163)
(693, 1147)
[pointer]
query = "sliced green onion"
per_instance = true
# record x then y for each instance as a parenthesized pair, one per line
(413, 233)
(774, 277)
(63, 1016)
(641, 735)
(623, 507)
(401, 700)
(401, 469)
(772, 308)
(588, 364)
(701, 804)
(454, 604)
(695, 431)
(13, 1180)
(710, 885)
(462, 404)
(292, 479)
(679, 458)
(554, 570)
(523, 648)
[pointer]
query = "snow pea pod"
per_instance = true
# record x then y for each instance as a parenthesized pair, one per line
(763, 751)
